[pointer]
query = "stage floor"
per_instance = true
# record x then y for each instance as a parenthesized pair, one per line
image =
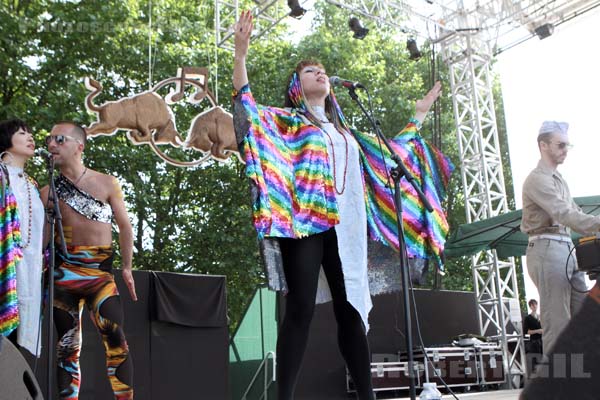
(491, 395)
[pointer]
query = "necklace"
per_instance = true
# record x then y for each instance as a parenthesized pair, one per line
(80, 176)
(319, 112)
(334, 163)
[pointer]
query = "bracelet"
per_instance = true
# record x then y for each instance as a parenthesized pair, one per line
(415, 121)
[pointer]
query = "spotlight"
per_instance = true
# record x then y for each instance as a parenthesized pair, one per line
(296, 10)
(355, 26)
(543, 31)
(413, 50)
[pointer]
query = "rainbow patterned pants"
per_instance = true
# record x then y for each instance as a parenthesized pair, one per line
(85, 279)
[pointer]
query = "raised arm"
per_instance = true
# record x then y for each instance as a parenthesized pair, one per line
(243, 30)
(423, 105)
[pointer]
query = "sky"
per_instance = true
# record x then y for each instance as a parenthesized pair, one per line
(554, 79)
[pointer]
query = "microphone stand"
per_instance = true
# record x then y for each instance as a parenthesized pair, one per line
(397, 173)
(54, 219)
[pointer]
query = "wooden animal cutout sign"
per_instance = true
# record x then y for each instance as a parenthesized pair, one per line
(213, 131)
(148, 119)
(198, 75)
(142, 115)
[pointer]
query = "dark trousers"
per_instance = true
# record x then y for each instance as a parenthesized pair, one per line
(302, 259)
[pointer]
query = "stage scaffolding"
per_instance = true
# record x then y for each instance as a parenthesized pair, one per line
(470, 34)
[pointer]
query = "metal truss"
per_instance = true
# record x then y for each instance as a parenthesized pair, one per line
(499, 310)
(267, 14)
(472, 34)
(469, 60)
(392, 13)
(505, 23)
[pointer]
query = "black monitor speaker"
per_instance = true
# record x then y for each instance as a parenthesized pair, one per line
(16, 378)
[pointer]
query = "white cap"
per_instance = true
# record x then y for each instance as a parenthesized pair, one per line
(554, 127)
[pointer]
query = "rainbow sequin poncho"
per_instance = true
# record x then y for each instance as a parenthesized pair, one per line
(286, 159)
(10, 255)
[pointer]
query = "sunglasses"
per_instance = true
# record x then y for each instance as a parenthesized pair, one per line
(563, 145)
(60, 139)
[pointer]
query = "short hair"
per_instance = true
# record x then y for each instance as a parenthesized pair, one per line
(548, 128)
(77, 129)
(544, 137)
(532, 301)
(7, 129)
(554, 126)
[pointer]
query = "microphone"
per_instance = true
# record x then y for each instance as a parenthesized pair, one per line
(337, 81)
(40, 152)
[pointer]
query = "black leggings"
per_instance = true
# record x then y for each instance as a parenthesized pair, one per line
(302, 259)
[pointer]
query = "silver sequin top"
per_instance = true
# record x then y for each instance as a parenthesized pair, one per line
(82, 202)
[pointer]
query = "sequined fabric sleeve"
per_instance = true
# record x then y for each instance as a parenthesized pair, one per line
(425, 232)
(244, 107)
(10, 256)
(286, 160)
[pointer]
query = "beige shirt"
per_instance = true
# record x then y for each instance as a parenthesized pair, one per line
(547, 204)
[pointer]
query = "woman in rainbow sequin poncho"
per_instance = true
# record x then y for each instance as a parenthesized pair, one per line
(318, 188)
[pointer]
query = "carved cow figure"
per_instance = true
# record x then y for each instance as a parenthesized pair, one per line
(141, 114)
(212, 130)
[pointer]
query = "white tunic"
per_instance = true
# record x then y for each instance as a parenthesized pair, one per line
(351, 232)
(29, 270)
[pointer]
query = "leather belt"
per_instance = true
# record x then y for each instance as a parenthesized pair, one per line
(551, 236)
(555, 230)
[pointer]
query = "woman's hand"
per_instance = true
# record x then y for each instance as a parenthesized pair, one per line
(243, 31)
(423, 105)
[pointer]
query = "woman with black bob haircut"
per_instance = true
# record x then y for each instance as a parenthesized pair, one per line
(21, 229)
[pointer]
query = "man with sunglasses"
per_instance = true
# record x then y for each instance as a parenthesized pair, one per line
(89, 200)
(549, 214)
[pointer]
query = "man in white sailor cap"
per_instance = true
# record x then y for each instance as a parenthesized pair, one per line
(549, 214)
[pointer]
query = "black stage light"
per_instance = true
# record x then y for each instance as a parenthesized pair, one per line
(543, 31)
(413, 50)
(296, 10)
(355, 26)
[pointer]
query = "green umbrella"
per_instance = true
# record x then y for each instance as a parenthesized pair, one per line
(502, 233)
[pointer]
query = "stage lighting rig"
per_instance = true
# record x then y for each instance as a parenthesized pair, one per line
(543, 31)
(413, 50)
(296, 10)
(359, 30)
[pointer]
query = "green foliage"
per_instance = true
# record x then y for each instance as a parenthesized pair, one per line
(195, 219)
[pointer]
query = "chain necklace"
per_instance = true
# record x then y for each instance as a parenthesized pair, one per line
(80, 176)
(319, 112)
(334, 163)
